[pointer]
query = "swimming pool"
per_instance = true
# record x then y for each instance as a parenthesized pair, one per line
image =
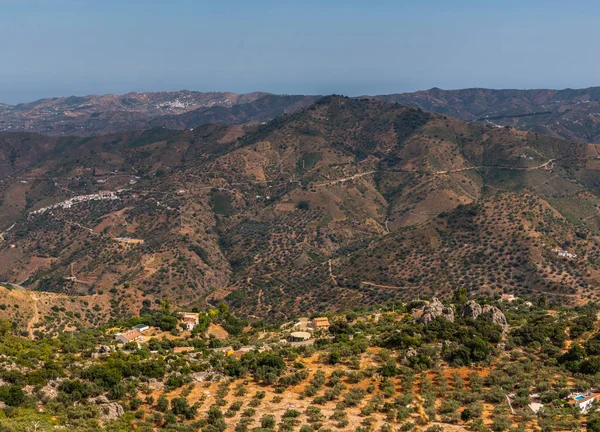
(580, 397)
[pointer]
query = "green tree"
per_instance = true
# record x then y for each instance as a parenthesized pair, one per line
(267, 422)
(466, 415)
(593, 423)
(162, 404)
(460, 296)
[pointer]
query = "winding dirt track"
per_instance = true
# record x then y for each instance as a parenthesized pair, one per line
(506, 167)
(380, 286)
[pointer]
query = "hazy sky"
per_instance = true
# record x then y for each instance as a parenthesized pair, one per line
(60, 47)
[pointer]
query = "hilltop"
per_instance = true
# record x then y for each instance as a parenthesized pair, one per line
(348, 201)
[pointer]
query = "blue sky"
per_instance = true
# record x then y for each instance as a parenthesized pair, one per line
(59, 47)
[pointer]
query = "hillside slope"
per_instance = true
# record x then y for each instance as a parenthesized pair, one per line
(345, 202)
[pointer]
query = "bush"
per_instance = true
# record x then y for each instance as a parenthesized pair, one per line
(267, 422)
(12, 395)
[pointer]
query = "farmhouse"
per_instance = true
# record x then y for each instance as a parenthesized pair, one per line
(190, 319)
(564, 254)
(140, 327)
(508, 298)
(321, 323)
(584, 400)
(129, 336)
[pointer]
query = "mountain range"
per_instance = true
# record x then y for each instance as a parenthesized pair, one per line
(568, 114)
(91, 115)
(347, 201)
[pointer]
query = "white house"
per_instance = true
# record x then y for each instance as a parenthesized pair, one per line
(584, 400)
(141, 328)
(129, 336)
(190, 319)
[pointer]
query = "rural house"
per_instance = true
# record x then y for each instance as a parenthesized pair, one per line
(508, 298)
(584, 400)
(190, 320)
(140, 327)
(129, 336)
(320, 323)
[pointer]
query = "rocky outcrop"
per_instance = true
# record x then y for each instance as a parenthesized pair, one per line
(99, 400)
(207, 376)
(496, 315)
(49, 391)
(103, 351)
(470, 309)
(154, 384)
(435, 309)
(110, 411)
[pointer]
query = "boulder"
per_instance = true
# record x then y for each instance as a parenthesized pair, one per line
(104, 349)
(411, 352)
(434, 310)
(206, 376)
(471, 309)
(496, 314)
(154, 384)
(110, 411)
(49, 391)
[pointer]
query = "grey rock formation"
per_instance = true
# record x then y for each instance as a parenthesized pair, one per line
(434, 310)
(496, 314)
(471, 309)
(110, 411)
(49, 391)
(154, 384)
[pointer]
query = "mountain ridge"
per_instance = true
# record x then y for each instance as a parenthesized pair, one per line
(567, 113)
(94, 114)
(572, 114)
